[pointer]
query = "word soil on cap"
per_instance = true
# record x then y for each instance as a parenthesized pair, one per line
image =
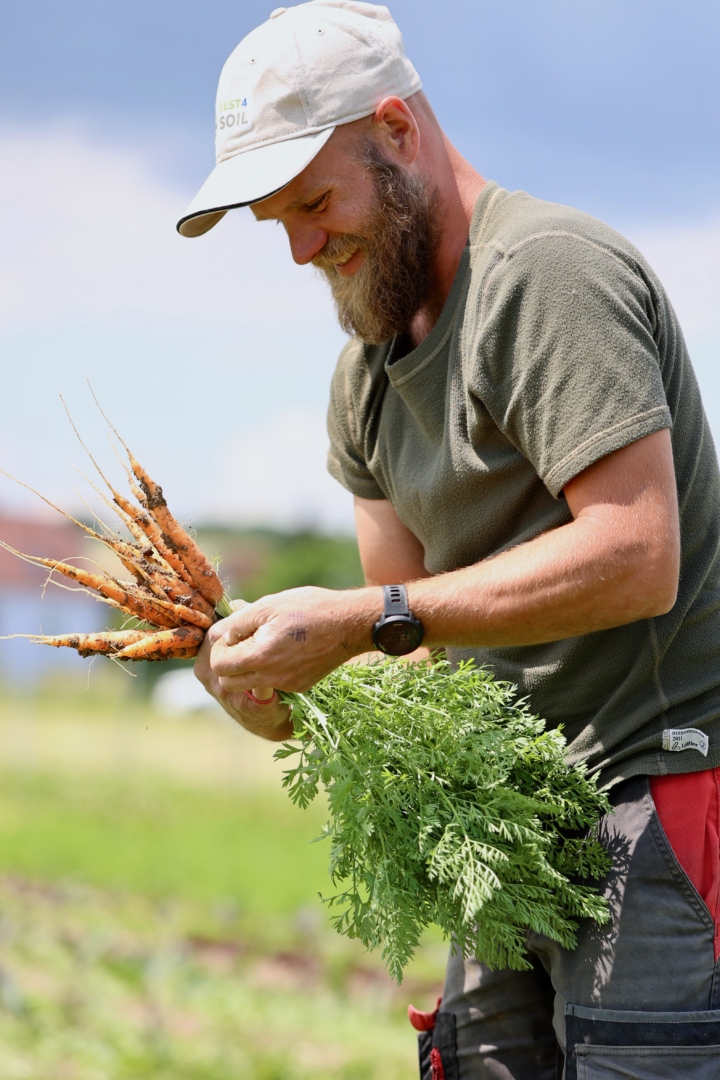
(240, 117)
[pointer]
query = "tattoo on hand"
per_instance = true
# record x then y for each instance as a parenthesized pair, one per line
(297, 633)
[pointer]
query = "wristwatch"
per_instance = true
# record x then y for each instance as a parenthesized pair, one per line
(397, 632)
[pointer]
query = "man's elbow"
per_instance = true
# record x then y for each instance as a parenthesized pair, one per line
(665, 600)
(659, 581)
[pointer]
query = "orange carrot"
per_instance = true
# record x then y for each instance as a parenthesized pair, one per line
(159, 646)
(173, 654)
(144, 547)
(185, 614)
(149, 609)
(176, 539)
(178, 592)
(134, 519)
(112, 541)
(163, 583)
(154, 534)
(199, 569)
(130, 556)
(108, 642)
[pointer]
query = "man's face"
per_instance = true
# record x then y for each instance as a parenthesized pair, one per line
(369, 226)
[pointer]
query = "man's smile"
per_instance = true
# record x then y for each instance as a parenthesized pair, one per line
(350, 263)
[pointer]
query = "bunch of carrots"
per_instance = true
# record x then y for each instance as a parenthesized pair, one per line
(173, 594)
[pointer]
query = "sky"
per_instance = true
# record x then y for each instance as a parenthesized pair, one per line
(213, 356)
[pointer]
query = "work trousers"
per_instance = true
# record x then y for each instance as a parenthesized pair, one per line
(638, 997)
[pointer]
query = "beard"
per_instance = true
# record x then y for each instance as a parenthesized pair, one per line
(396, 277)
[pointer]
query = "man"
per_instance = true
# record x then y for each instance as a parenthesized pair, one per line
(518, 421)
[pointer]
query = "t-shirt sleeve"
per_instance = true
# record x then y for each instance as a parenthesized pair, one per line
(564, 353)
(346, 425)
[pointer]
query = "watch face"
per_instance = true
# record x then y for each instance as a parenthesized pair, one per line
(398, 638)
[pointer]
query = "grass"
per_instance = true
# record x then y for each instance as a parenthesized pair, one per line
(159, 915)
(161, 839)
(100, 985)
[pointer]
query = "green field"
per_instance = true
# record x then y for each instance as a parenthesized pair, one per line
(159, 909)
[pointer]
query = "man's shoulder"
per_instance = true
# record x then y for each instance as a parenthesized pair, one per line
(511, 222)
(550, 255)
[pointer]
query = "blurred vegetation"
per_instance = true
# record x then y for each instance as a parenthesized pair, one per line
(159, 910)
(261, 561)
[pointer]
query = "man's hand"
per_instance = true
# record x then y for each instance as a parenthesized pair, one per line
(287, 641)
(291, 640)
(262, 713)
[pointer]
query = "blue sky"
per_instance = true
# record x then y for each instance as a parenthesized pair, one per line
(606, 102)
(106, 131)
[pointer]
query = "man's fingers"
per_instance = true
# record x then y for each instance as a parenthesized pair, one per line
(270, 720)
(228, 660)
(214, 632)
(221, 627)
(259, 709)
(233, 684)
(202, 669)
(240, 625)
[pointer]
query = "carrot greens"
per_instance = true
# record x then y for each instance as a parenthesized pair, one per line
(450, 804)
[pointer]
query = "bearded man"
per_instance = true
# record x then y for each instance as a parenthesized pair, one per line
(516, 416)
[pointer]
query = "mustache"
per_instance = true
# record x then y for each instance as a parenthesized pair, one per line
(336, 248)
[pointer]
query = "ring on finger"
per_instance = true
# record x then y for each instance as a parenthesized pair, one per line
(261, 701)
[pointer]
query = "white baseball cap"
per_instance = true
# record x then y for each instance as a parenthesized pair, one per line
(285, 89)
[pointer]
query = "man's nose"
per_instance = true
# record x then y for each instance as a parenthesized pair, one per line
(306, 242)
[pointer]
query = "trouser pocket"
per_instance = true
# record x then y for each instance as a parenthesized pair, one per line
(607, 1044)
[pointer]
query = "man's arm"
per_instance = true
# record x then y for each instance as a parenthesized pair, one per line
(616, 562)
(390, 554)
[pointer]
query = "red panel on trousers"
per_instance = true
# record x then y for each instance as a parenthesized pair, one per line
(688, 805)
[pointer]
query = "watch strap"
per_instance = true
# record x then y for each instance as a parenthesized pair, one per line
(395, 599)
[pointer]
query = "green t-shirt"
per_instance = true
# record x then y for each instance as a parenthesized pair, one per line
(556, 346)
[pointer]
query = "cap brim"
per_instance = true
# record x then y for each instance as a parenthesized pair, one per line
(248, 178)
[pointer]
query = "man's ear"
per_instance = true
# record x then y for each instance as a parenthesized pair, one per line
(396, 130)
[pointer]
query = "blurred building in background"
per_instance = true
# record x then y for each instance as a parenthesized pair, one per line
(30, 604)
(32, 601)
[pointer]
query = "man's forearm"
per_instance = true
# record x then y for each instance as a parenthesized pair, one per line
(575, 580)
(616, 562)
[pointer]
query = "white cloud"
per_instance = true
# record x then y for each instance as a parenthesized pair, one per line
(190, 343)
(89, 232)
(213, 355)
(275, 473)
